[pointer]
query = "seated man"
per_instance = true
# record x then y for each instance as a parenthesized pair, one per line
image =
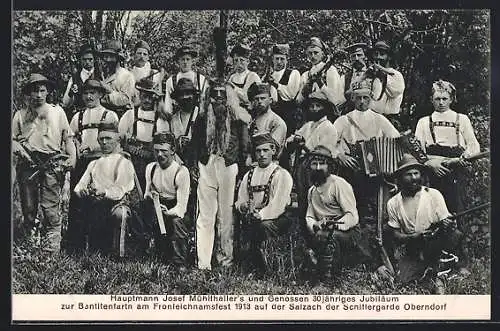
(263, 196)
(170, 181)
(105, 186)
(420, 221)
(332, 218)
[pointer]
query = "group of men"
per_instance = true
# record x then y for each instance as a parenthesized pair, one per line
(208, 154)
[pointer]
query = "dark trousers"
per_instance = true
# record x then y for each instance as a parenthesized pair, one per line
(453, 187)
(330, 252)
(302, 184)
(174, 243)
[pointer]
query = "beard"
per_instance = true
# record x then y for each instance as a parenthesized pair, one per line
(310, 116)
(357, 64)
(318, 177)
(220, 112)
(412, 187)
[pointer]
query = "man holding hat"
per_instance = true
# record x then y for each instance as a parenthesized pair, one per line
(358, 58)
(170, 181)
(447, 137)
(242, 78)
(118, 81)
(263, 118)
(138, 125)
(185, 59)
(388, 84)
(73, 94)
(361, 124)
(322, 75)
(415, 213)
(85, 125)
(104, 188)
(285, 83)
(222, 147)
(41, 133)
(331, 218)
(263, 196)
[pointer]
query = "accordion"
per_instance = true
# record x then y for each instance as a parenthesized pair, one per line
(379, 155)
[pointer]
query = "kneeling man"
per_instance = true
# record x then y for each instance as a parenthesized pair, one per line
(332, 218)
(104, 188)
(263, 196)
(168, 183)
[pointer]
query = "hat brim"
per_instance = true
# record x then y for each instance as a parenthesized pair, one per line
(370, 51)
(364, 91)
(113, 52)
(419, 166)
(49, 83)
(100, 89)
(312, 154)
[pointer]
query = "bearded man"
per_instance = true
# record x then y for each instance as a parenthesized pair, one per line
(221, 144)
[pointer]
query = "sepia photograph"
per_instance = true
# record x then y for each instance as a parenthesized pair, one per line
(231, 161)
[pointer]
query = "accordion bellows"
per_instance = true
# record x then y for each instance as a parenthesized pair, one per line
(381, 155)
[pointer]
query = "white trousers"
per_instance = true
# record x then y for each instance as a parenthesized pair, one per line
(216, 187)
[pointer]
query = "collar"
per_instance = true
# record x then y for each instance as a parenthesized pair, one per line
(279, 72)
(87, 72)
(317, 66)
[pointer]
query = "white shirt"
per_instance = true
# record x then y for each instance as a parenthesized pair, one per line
(286, 92)
(392, 97)
(279, 193)
(371, 123)
(144, 129)
(431, 209)
(112, 173)
(321, 132)
(91, 116)
(272, 123)
(163, 183)
(169, 88)
(179, 123)
(334, 198)
(333, 87)
(447, 136)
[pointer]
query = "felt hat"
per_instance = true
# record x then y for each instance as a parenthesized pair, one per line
(113, 47)
(95, 85)
(110, 126)
(38, 79)
(317, 42)
(354, 47)
(258, 88)
(263, 138)
(161, 138)
(361, 87)
(281, 49)
(142, 44)
(320, 96)
(184, 84)
(321, 151)
(380, 46)
(240, 50)
(84, 49)
(148, 85)
(408, 161)
(186, 49)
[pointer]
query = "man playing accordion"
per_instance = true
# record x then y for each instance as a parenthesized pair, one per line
(105, 188)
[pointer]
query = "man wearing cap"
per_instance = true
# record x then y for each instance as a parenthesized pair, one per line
(357, 56)
(242, 78)
(118, 81)
(322, 75)
(264, 119)
(263, 196)
(72, 98)
(185, 58)
(85, 125)
(388, 83)
(41, 133)
(138, 125)
(222, 147)
(415, 213)
(170, 181)
(332, 217)
(318, 130)
(285, 83)
(104, 190)
(447, 137)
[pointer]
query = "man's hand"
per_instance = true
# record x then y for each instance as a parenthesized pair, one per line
(348, 161)
(456, 161)
(69, 164)
(19, 150)
(82, 193)
(244, 208)
(164, 209)
(438, 167)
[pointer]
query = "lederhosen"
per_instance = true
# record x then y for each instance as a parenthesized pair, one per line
(452, 186)
(100, 224)
(176, 233)
(282, 222)
(141, 152)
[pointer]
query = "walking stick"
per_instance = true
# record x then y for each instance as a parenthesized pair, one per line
(380, 216)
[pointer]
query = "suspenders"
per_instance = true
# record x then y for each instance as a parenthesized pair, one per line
(259, 188)
(244, 81)
(137, 119)
(432, 125)
(155, 165)
(89, 125)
